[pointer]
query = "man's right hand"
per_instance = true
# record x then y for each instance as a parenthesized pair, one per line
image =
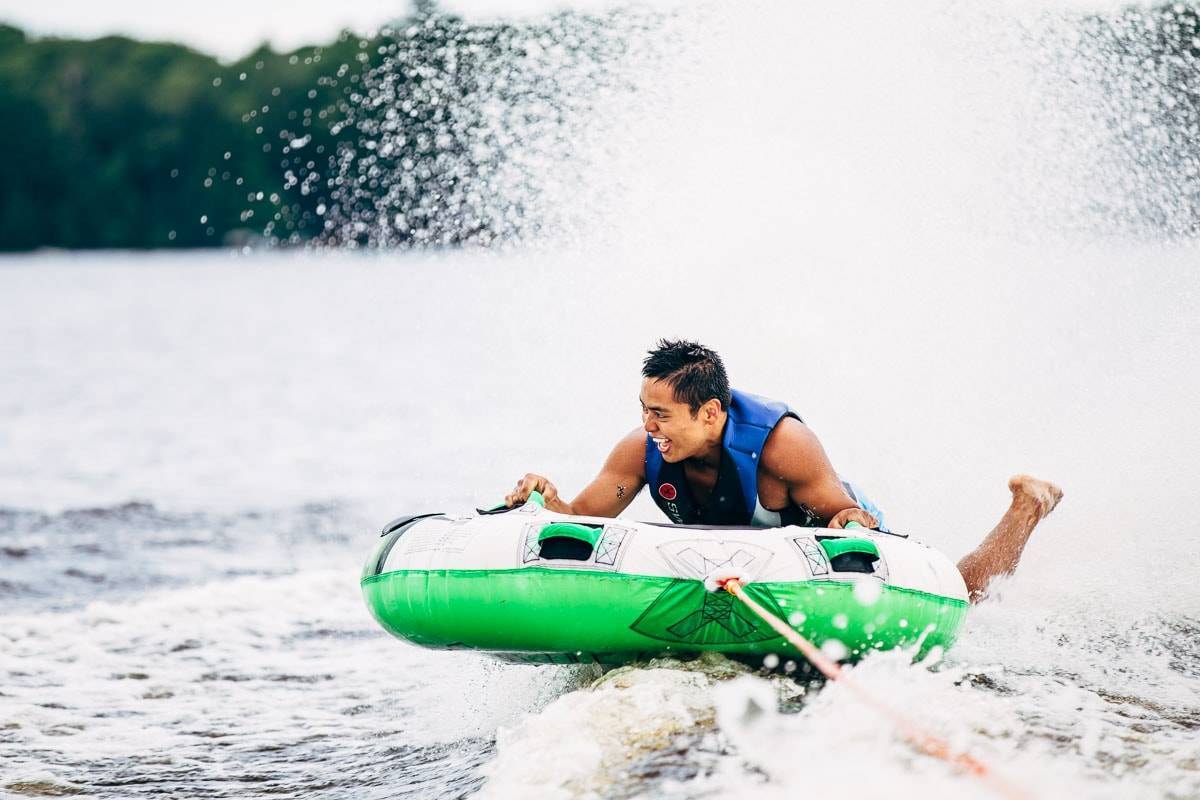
(535, 483)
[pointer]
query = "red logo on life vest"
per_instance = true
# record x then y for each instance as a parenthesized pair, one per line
(667, 492)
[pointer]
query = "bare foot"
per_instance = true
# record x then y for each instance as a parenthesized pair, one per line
(1044, 494)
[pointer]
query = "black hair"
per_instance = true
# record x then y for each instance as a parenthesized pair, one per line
(694, 372)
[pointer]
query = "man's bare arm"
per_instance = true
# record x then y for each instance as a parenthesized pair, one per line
(794, 455)
(610, 493)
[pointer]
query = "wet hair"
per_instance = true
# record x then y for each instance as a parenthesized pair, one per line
(695, 373)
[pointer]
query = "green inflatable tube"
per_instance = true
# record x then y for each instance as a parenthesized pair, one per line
(538, 587)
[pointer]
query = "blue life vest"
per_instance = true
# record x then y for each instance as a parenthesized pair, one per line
(734, 499)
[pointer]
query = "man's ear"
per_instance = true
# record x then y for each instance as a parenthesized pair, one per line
(711, 411)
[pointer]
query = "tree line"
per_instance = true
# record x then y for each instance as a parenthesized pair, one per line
(374, 140)
(117, 143)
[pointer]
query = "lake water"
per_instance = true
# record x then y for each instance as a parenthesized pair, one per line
(197, 451)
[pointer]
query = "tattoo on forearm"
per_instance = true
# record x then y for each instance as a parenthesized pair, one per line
(620, 492)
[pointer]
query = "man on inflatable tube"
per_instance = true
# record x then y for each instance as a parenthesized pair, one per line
(714, 455)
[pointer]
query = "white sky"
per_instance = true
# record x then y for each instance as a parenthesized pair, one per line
(227, 28)
(231, 28)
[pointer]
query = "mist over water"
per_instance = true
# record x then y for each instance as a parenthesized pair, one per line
(954, 236)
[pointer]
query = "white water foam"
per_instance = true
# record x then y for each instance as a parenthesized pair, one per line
(239, 682)
(597, 735)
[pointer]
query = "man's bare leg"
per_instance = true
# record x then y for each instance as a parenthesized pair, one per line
(999, 553)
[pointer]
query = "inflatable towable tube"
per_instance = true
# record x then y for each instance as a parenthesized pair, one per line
(535, 586)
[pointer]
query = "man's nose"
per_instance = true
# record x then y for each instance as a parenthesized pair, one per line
(648, 423)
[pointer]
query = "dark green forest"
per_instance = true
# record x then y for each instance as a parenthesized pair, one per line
(116, 143)
(119, 143)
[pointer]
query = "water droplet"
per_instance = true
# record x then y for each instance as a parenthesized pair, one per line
(867, 591)
(770, 661)
(834, 649)
(840, 621)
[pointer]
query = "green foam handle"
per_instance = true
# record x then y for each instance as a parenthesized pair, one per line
(852, 524)
(570, 530)
(836, 547)
(534, 497)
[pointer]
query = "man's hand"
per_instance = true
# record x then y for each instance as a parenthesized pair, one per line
(847, 515)
(536, 483)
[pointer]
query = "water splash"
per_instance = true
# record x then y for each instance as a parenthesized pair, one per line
(610, 738)
(484, 134)
(647, 124)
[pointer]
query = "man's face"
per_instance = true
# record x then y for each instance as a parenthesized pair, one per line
(678, 433)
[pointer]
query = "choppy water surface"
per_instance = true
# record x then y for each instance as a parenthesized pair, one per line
(949, 252)
(156, 654)
(198, 453)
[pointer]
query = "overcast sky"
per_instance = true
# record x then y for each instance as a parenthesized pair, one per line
(231, 28)
(227, 28)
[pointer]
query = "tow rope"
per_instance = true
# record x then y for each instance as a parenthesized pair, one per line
(918, 738)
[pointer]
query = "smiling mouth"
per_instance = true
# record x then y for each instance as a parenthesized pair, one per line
(663, 444)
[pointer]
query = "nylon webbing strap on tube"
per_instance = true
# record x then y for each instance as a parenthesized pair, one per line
(921, 740)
